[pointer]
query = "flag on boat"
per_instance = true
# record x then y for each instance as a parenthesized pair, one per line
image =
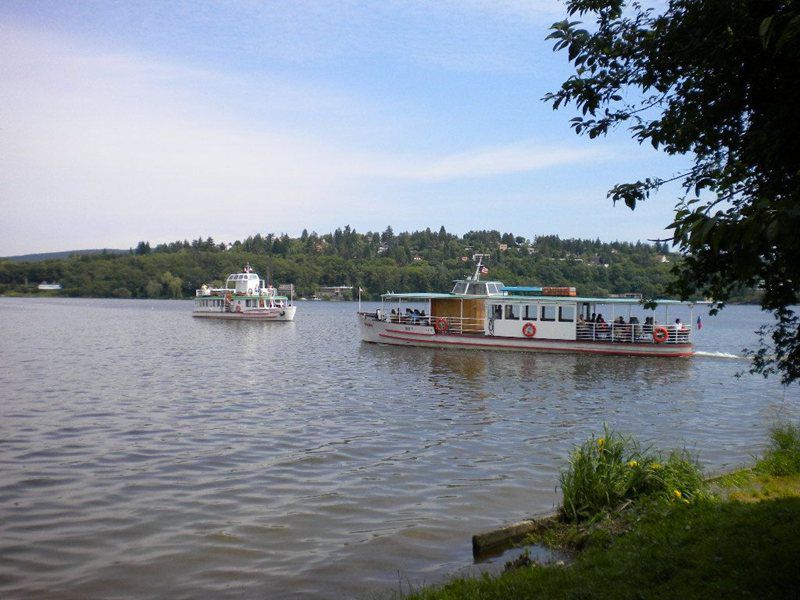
(484, 270)
(699, 323)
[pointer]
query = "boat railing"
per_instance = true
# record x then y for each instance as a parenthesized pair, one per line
(442, 324)
(636, 333)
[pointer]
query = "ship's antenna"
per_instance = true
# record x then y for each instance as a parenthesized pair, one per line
(479, 266)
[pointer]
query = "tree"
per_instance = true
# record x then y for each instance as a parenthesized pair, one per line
(142, 248)
(716, 80)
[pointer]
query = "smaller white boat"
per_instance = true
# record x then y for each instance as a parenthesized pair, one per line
(245, 296)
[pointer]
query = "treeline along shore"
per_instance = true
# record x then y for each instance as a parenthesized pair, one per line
(376, 262)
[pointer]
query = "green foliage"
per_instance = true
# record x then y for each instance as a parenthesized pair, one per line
(710, 549)
(426, 260)
(608, 472)
(783, 455)
(717, 80)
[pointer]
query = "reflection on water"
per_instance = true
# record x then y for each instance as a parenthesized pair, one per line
(146, 453)
(469, 365)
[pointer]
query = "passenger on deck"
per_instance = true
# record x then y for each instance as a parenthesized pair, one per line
(582, 327)
(681, 333)
(620, 330)
(636, 329)
(647, 330)
(601, 327)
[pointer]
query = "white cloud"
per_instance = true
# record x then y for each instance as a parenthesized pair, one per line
(484, 162)
(96, 148)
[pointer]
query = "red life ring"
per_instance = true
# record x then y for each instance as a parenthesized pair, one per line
(529, 330)
(238, 308)
(660, 335)
(441, 325)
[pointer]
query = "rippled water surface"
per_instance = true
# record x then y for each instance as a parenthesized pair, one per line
(145, 453)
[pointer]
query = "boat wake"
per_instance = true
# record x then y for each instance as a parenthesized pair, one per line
(719, 355)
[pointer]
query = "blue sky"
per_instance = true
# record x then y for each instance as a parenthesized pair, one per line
(123, 121)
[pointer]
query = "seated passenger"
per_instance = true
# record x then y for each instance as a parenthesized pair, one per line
(636, 329)
(648, 326)
(601, 327)
(681, 333)
(582, 327)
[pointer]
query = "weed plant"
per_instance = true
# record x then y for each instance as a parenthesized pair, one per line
(783, 455)
(610, 472)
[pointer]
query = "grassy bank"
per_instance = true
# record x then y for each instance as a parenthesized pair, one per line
(738, 536)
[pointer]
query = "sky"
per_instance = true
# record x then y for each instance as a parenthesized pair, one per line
(160, 121)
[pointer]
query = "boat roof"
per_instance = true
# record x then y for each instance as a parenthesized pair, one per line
(523, 299)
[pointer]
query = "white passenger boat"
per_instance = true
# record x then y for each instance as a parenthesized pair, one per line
(488, 315)
(245, 296)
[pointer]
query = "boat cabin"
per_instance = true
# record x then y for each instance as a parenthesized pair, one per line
(244, 283)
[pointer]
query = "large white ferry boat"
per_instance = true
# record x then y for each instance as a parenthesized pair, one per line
(245, 296)
(489, 315)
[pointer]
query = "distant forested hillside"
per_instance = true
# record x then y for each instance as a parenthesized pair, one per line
(377, 262)
(63, 254)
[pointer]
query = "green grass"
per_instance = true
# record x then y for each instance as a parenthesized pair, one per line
(711, 548)
(783, 455)
(737, 537)
(612, 471)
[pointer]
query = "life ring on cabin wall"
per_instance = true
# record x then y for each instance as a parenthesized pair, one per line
(441, 325)
(660, 335)
(529, 330)
(238, 308)
(250, 292)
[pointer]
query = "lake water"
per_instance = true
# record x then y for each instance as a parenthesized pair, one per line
(146, 453)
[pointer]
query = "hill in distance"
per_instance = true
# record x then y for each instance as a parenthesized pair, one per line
(60, 255)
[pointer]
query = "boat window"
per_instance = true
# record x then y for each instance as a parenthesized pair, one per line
(512, 311)
(479, 289)
(548, 312)
(529, 312)
(497, 311)
(460, 288)
(566, 314)
(491, 288)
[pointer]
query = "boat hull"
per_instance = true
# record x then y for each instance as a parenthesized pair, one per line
(261, 314)
(399, 334)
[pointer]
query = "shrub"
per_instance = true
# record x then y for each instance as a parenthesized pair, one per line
(783, 455)
(609, 472)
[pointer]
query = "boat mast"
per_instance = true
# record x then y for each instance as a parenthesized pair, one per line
(479, 265)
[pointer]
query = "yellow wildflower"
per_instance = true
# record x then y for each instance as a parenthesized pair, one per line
(632, 464)
(601, 442)
(677, 494)
(655, 466)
